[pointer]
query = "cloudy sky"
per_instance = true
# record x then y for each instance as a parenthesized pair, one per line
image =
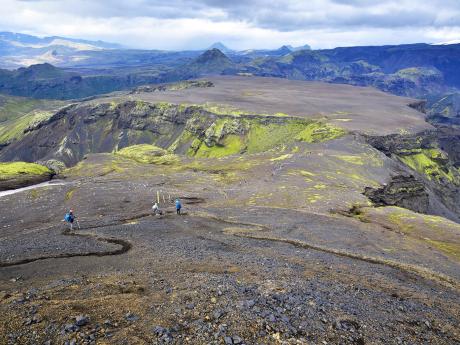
(240, 24)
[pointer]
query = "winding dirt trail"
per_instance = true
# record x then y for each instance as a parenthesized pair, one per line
(125, 246)
(423, 272)
(242, 230)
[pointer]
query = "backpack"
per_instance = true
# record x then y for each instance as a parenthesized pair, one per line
(68, 217)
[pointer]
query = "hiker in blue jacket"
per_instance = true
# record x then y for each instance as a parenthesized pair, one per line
(69, 218)
(178, 206)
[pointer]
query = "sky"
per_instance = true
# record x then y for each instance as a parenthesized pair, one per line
(239, 24)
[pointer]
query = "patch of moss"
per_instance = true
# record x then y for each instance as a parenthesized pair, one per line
(319, 132)
(306, 173)
(184, 139)
(224, 109)
(358, 160)
(362, 159)
(14, 129)
(427, 162)
(219, 166)
(282, 157)
(254, 135)
(34, 193)
(233, 134)
(12, 169)
(232, 144)
(451, 249)
(151, 154)
(161, 107)
(312, 198)
(265, 136)
(320, 186)
(402, 220)
(69, 194)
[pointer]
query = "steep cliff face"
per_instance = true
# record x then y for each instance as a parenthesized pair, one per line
(422, 156)
(402, 191)
(445, 109)
(449, 141)
(77, 130)
(80, 129)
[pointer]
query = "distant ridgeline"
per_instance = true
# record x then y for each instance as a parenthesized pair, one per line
(416, 70)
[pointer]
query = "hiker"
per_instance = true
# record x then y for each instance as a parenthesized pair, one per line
(156, 209)
(69, 218)
(178, 206)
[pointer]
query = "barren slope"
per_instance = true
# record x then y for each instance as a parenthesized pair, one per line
(293, 229)
(362, 109)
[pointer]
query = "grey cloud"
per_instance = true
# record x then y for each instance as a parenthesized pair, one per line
(179, 23)
(284, 15)
(340, 13)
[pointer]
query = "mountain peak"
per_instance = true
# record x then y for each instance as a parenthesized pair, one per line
(42, 71)
(213, 54)
(304, 47)
(284, 49)
(212, 61)
(220, 46)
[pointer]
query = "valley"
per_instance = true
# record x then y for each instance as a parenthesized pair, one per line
(312, 213)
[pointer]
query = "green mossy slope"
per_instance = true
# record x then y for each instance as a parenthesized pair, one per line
(145, 153)
(227, 136)
(432, 164)
(12, 169)
(21, 174)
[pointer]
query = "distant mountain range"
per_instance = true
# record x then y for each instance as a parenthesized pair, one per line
(20, 50)
(23, 40)
(286, 49)
(24, 50)
(79, 68)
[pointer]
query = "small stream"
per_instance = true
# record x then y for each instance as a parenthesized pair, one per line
(38, 185)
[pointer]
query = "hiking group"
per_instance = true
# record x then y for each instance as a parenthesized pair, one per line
(156, 208)
(70, 217)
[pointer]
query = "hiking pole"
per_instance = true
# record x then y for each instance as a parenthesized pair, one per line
(78, 224)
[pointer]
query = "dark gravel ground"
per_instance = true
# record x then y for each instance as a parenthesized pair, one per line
(189, 280)
(185, 281)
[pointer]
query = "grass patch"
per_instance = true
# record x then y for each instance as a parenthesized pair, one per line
(150, 154)
(451, 249)
(14, 129)
(357, 160)
(12, 169)
(281, 158)
(318, 132)
(69, 195)
(231, 144)
(428, 163)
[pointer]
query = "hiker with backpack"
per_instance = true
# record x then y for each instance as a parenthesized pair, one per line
(70, 218)
(178, 206)
(156, 210)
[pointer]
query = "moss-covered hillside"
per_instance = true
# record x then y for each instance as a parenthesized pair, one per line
(20, 174)
(182, 129)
